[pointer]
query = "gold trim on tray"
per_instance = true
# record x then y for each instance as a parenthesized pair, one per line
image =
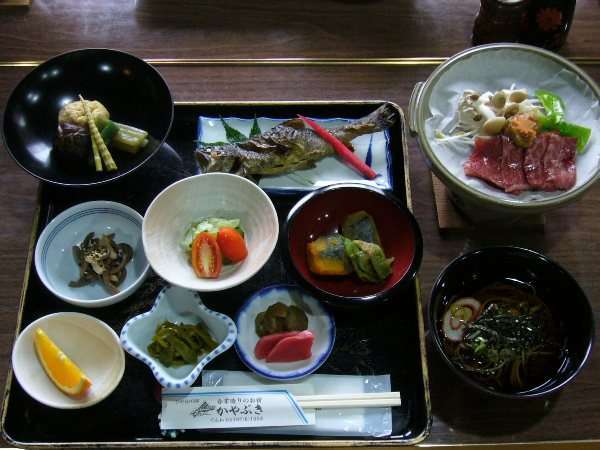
(402, 61)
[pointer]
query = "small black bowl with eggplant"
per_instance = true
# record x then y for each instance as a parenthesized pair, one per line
(87, 117)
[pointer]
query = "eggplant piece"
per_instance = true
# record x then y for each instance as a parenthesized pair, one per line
(73, 145)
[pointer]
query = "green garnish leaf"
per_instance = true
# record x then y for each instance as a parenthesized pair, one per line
(232, 134)
(255, 130)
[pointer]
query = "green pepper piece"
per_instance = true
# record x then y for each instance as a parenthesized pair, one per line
(554, 107)
(582, 134)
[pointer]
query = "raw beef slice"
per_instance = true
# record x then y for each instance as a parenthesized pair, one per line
(513, 176)
(485, 161)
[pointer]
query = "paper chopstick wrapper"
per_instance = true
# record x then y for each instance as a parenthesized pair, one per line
(231, 407)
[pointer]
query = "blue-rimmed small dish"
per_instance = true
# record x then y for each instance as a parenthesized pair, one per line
(56, 265)
(320, 323)
(176, 305)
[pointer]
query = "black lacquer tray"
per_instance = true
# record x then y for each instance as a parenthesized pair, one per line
(385, 339)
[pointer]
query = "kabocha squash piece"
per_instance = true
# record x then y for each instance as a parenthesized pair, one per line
(361, 226)
(97, 140)
(326, 256)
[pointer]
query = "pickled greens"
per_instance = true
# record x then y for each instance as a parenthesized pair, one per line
(177, 345)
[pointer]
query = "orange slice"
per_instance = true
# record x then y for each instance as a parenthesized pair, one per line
(62, 371)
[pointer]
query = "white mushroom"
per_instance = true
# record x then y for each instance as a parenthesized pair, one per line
(518, 95)
(499, 99)
(482, 105)
(510, 109)
(494, 125)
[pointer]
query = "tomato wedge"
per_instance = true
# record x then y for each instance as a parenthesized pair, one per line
(232, 244)
(206, 256)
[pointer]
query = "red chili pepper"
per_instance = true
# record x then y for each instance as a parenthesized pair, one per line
(341, 149)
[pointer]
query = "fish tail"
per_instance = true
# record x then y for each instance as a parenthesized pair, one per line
(380, 119)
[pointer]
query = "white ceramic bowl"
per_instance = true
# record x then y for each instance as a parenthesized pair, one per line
(490, 68)
(55, 263)
(176, 305)
(203, 196)
(87, 341)
(320, 323)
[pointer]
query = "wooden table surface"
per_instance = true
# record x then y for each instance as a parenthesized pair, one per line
(320, 29)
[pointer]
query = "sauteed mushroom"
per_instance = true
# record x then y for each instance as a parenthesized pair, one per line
(102, 259)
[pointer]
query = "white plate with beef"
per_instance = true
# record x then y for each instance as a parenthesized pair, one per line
(499, 171)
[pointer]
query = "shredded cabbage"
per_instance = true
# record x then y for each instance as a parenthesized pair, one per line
(210, 225)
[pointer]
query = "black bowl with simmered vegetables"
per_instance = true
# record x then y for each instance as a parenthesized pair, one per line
(511, 322)
(51, 138)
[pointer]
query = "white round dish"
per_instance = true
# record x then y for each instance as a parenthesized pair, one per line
(202, 196)
(56, 266)
(320, 323)
(490, 68)
(87, 341)
(176, 305)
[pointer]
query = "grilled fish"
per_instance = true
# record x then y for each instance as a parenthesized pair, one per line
(287, 147)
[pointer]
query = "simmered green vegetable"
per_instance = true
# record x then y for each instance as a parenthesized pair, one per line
(109, 131)
(175, 345)
(368, 260)
(129, 139)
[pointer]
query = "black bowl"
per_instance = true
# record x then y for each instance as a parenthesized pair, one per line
(553, 284)
(133, 91)
(324, 210)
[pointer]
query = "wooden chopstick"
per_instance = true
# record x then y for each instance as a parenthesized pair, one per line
(334, 401)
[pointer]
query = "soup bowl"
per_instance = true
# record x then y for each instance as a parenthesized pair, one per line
(531, 271)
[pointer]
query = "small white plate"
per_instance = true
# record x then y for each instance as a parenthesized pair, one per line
(55, 263)
(176, 305)
(320, 323)
(87, 341)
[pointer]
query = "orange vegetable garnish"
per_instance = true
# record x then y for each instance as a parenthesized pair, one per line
(232, 244)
